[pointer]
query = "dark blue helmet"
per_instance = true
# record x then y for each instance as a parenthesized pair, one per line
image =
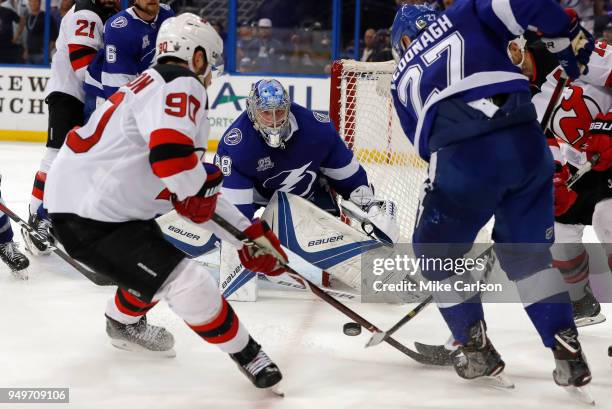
(409, 21)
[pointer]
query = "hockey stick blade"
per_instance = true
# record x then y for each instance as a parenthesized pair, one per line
(379, 337)
(437, 354)
(98, 279)
(231, 229)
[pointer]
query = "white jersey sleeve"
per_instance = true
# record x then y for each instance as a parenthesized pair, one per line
(79, 39)
(600, 66)
(174, 123)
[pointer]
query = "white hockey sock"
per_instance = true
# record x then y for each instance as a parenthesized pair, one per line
(192, 294)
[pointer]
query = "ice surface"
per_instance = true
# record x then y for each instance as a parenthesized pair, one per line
(53, 335)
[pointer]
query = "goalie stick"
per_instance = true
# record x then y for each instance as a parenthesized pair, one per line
(94, 277)
(323, 295)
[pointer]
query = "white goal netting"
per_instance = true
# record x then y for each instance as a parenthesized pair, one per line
(361, 107)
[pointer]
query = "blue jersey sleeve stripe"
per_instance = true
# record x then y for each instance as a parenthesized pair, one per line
(238, 196)
(115, 80)
(343, 172)
(503, 11)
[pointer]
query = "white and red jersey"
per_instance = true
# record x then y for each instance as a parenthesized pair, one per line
(579, 104)
(79, 39)
(143, 144)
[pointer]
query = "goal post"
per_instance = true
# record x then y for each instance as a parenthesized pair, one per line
(362, 110)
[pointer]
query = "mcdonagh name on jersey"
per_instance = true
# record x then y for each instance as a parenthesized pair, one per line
(431, 34)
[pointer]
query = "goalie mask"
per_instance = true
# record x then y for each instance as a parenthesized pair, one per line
(409, 21)
(268, 108)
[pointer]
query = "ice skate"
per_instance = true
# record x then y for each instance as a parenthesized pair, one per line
(587, 310)
(38, 245)
(15, 259)
(572, 371)
(258, 367)
(140, 337)
(478, 359)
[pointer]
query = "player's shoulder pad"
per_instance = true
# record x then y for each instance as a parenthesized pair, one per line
(117, 21)
(304, 114)
(170, 72)
(165, 8)
(238, 135)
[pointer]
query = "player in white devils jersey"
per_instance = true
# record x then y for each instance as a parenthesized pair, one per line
(137, 158)
(80, 37)
(589, 201)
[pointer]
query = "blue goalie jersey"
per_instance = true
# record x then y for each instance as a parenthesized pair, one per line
(254, 171)
(463, 55)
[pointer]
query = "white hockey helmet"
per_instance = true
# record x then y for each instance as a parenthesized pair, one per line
(180, 36)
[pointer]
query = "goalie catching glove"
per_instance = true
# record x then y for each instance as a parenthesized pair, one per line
(377, 217)
(200, 207)
(267, 256)
(599, 141)
(573, 49)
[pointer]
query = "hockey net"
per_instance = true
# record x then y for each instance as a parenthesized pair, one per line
(361, 108)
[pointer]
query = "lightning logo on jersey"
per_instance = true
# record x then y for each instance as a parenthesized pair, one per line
(296, 181)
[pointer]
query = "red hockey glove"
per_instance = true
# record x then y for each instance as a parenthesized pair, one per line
(201, 207)
(564, 197)
(265, 259)
(599, 141)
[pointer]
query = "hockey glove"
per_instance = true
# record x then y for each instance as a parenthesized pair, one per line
(267, 255)
(201, 207)
(380, 218)
(599, 141)
(564, 197)
(573, 50)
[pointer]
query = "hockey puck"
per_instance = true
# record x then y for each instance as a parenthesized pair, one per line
(610, 351)
(351, 329)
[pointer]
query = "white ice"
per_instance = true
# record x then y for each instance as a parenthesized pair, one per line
(53, 335)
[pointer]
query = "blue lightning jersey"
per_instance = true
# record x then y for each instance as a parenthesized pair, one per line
(254, 171)
(129, 47)
(463, 55)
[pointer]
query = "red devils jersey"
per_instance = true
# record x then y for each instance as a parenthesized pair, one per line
(578, 105)
(79, 39)
(141, 145)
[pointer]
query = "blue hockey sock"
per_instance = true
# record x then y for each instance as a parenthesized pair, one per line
(6, 232)
(461, 317)
(550, 316)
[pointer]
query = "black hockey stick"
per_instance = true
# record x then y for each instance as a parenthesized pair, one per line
(96, 278)
(378, 337)
(554, 100)
(583, 170)
(322, 294)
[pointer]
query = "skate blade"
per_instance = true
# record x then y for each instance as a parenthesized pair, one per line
(276, 390)
(586, 321)
(21, 274)
(581, 394)
(499, 381)
(131, 347)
